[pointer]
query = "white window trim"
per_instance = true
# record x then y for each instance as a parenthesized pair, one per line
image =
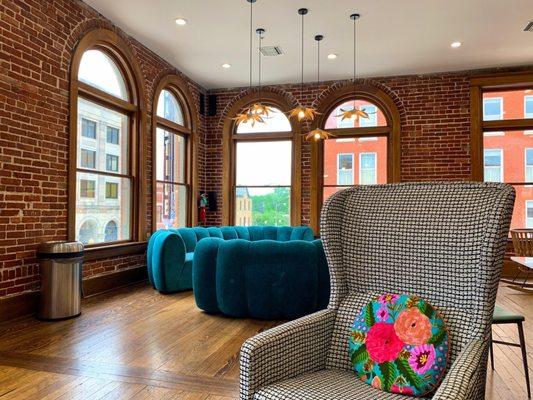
(501, 108)
(527, 225)
(526, 98)
(338, 167)
(501, 166)
(375, 165)
(525, 163)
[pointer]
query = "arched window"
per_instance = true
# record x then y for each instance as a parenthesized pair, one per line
(105, 123)
(174, 152)
(111, 232)
(264, 186)
(88, 232)
(363, 151)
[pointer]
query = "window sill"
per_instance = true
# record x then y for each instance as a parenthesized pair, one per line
(123, 249)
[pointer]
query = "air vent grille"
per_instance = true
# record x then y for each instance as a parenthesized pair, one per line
(529, 27)
(271, 51)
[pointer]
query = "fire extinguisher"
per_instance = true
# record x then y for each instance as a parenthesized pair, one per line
(202, 207)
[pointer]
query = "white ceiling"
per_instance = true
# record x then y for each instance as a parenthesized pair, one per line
(395, 37)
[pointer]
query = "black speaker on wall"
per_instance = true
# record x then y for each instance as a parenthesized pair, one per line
(212, 105)
(212, 201)
(202, 104)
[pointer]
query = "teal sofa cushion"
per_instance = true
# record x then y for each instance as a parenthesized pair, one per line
(260, 279)
(171, 272)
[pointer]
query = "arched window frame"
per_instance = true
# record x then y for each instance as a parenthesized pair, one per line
(179, 88)
(375, 96)
(230, 138)
(118, 50)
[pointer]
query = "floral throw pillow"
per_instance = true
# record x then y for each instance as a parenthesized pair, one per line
(399, 344)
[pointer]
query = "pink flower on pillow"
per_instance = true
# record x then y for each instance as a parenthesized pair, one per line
(402, 389)
(382, 343)
(422, 358)
(376, 382)
(413, 327)
(388, 298)
(383, 313)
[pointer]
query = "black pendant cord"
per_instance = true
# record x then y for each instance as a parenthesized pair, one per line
(302, 74)
(354, 54)
(318, 68)
(251, 38)
(260, 44)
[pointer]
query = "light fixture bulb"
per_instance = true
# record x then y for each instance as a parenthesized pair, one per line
(226, 65)
(301, 115)
(317, 136)
(332, 56)
(180, 21)
(455, 45)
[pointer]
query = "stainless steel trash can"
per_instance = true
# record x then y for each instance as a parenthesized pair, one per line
(61, 272)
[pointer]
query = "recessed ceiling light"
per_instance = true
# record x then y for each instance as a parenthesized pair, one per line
(332, 56)
(226, 65)
(456, 44)
(180, 21)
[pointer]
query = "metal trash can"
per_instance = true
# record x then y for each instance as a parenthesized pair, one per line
(61, 271)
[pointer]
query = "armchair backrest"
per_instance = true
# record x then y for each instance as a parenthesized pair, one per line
(442, 241)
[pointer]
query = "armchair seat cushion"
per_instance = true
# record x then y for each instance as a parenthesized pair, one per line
(324, 385)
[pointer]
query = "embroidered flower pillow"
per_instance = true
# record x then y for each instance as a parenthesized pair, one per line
(399, 344)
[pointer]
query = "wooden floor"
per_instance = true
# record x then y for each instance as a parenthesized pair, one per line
(138, 344)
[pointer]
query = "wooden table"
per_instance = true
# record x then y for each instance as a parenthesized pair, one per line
(525, 265)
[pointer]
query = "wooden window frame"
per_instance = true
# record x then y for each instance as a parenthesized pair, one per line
(115, 47)
(392, 131)
(230, 139)
(496, 83)
(180, 90)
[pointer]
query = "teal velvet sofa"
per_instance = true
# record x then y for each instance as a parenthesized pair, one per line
(264, 279)
(170, 252)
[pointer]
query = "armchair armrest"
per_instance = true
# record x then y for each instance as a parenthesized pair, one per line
(462, 379)
(286, 351)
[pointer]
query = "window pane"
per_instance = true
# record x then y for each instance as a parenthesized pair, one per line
(263, 206)
(345, 169)
(100, 119)
(523, 207)
(112, 135)
(376, 116)
(264, 163)
(169, 108)
(94, 208)
(508, 104)
(369, 155)
(170, 156)
(88, 158)
(111, 163)
(99, 70)
(171, 206)
(275, 122)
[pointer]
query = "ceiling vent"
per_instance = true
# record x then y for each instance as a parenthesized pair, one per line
(271, 51)
(529, 27)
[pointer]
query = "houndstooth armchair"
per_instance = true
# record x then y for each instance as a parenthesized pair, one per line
(442, 241)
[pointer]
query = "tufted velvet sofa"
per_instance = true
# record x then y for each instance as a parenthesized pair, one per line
(170, 252)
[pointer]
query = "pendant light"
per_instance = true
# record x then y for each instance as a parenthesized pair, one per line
(256, 112)
(318, 134)
(354, 112)
(302, 113)
(260, 108)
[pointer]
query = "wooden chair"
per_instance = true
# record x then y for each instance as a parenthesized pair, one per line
(502, 316)
(523, 247)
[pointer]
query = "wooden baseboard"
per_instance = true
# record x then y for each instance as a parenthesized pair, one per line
(26, 303)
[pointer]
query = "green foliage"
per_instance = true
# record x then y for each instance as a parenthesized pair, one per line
(437, 338)
(369, 315)
(387, 374)
(359, 355)
(407, 372)
(426, 309)
(272, 208)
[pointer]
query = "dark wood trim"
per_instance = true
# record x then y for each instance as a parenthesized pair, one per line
(113, 45)
(476, 134)
(509, 80)
(375, 96)
(105, 283)
(114, 250)
(508, 125)
(229, 140)
(19, 305)
(180, 89)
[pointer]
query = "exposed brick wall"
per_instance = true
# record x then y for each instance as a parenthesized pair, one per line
(37, 39)
(435, 127)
